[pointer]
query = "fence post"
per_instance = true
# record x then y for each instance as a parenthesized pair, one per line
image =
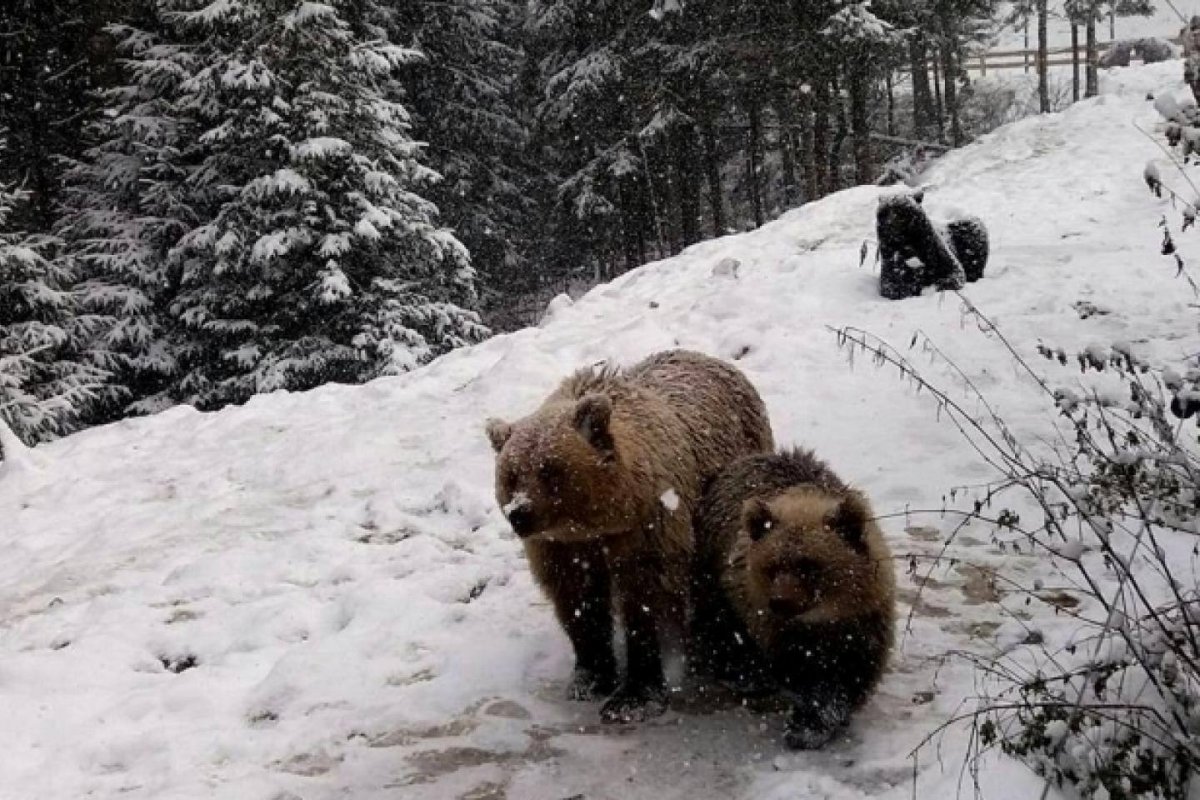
(1026, 54)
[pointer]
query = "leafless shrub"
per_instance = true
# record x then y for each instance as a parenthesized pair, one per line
(1114, 711)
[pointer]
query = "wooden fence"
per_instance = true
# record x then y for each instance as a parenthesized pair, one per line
(983, 61)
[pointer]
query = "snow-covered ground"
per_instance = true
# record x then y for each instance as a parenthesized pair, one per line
(314, 596)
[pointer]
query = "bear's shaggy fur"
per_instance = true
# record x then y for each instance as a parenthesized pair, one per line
(601, 482)
(968, 239)
(915, 253)
(801, 587)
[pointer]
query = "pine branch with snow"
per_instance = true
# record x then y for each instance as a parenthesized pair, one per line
(463, 96)
(47, 386)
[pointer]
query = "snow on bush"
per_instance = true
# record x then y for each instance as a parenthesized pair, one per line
(1115, 712)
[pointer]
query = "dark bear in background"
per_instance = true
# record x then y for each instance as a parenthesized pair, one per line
(915, 253)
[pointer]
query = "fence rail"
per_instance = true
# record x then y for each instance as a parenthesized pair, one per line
(1027, 60)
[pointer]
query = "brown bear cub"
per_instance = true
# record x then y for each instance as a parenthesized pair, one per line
(794, 585)
(601, 483)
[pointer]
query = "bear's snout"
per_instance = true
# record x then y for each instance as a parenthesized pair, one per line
(521, 519)
(788, 595)
(784, 605)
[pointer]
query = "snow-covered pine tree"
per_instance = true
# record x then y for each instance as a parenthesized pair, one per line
(680, 58)
(615, 125)
(463, 96)
(259, 209)
(864, 43)
(322, 262)
(45, 385)
(582, 114)
(127, 203)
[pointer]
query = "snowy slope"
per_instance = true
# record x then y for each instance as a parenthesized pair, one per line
(313, 596)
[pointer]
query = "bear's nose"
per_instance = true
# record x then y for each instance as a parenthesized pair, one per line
(521, 519)
(783, 605)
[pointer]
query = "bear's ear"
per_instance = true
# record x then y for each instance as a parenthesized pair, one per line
(498, 433)
(918, 196)
(592, 417)
(850, 519)
(757, 519)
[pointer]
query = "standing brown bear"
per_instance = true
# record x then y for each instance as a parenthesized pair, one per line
(795, 585)
(601, 484)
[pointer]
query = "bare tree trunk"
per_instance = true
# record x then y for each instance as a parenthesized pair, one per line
(672, 205)
(1093, 71)
(689, 184)
(1043, 67)
(1026, 56)
(808, 147)
(950, 70)
(787, 148)
(940, 110)
(891, 103)
(753, 162)
(839, 137)
(630, 223)
(654, 215)
(643, 227)
(820, 138)
(712, 167)
(1074, 62)
(922, 95)
(860, 125)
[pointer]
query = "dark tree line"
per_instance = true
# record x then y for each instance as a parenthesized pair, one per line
(692, 121)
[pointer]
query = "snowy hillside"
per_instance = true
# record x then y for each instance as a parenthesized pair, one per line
(313, 596)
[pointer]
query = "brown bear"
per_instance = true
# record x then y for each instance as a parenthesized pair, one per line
(794, 585)
(601, 483)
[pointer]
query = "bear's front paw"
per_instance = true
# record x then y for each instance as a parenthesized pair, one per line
(631, 704)
(587, 684)
(815, 719)
(807, 736)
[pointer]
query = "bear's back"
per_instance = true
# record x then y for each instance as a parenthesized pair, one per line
(968, 238)
(721, 413)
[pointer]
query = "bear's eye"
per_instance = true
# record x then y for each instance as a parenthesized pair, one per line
(551, 471)
(806, 568)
